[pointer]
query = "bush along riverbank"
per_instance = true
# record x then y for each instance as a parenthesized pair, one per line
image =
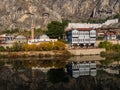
(44, 49)
(112, 53)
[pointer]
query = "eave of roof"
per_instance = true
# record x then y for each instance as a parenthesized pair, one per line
(82, 29)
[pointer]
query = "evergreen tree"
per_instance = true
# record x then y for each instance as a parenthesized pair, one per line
(56, 29)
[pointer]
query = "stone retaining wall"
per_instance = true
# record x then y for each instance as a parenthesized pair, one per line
(86, 51)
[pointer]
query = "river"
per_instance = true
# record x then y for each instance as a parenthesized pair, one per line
(74, 73)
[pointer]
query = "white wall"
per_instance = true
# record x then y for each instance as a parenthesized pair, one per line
(89, 25)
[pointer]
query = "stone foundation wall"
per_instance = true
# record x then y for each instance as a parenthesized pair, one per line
(86, 51)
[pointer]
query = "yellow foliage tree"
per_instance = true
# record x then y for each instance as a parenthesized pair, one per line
(45, 46)
(26, 47)
(59, 45)
(32, 47)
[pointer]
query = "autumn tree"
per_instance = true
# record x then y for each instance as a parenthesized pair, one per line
(59, 45)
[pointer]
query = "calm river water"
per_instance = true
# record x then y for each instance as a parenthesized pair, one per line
(75, 73)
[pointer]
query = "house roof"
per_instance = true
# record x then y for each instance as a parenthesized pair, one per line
(44, 36)
(82, 29)
(20, 36)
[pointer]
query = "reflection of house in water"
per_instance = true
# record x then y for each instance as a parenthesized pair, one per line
(45, 70)
(112, 71)
(82, 68)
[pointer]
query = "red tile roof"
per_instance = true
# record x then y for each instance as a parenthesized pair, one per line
(84, 29)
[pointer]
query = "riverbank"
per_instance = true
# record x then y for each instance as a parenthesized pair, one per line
(39, 54)
(64, 53)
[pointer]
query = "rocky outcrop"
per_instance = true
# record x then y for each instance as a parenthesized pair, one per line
(21, 13)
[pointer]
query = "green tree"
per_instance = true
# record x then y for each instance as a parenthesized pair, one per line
(17, 47)
(107, 45)
(2, 48)
(116, 47)
(109, 58)
(56, 29)
(10, 31)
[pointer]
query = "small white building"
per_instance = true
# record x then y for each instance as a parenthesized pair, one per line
(21, 39)
(43, 38)
(6, 40)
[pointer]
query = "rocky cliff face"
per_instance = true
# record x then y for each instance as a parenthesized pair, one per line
(21, 13)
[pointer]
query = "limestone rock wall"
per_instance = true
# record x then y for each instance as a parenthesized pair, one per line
(21, 13)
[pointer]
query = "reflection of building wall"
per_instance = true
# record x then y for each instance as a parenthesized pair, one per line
(45, 70)
(83, 68)
(111, 71)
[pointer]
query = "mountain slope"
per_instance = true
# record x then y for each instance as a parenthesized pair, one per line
(21, 13)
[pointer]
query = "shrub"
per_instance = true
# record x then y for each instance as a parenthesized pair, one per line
(17, 47)
(32, 47)
(102, 54)
(107, 45)
(59, 45)
(116, 47)
(45, 46)
(2, 48)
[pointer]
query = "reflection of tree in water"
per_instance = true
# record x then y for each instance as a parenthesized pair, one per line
(52, 63)
(110, 58)
(56, 79)
(22, 64)
(18, 65)
(46, 63)
(60, 64)
(57, 75)
(30, 63)
(2, 64)
(106, 80)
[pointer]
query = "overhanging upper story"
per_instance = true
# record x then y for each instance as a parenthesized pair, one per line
(82, 36)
